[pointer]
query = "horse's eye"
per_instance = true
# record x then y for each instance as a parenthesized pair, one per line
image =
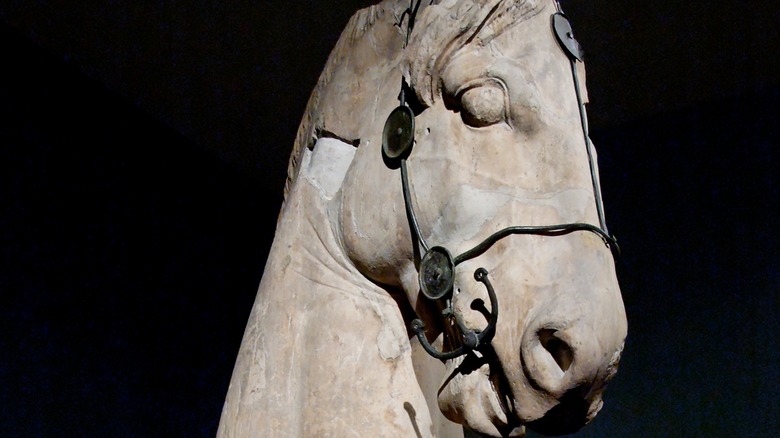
(483, 104)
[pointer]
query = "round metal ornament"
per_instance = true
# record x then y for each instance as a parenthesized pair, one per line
(437, 273)
(565, 36)
(398, 134)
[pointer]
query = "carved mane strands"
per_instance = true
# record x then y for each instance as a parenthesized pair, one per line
(448, 29)
(378, 310)
(359, 24)
(442, 29)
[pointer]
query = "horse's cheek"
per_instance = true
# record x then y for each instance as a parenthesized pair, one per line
(370, 231)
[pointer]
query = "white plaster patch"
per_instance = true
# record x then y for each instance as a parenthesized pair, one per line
(326, 166)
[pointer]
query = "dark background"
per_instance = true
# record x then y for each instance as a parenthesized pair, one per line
(143, 150)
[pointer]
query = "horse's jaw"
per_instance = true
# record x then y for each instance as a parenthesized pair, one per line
(470, 397)
(473, 398)
(558, 340)
(475, 395)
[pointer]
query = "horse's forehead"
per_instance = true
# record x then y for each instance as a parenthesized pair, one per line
(361, 80)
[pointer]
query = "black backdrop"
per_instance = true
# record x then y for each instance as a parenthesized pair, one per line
(136, 211)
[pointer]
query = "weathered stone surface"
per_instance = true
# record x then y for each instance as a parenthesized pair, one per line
(498, 143)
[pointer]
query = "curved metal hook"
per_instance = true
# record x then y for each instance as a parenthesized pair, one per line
(471, 339)
(418, 327)
(487, 334)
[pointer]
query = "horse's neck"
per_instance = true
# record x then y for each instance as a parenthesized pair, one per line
(322, 342)
(308, 234)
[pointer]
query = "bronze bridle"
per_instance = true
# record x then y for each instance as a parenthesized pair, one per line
(436, 268)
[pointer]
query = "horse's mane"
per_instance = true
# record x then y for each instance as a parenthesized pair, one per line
(358, 25)
(447, 29)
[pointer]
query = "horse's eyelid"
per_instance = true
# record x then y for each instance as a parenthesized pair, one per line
(482, 82)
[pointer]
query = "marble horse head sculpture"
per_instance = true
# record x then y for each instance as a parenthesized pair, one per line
(441, 260)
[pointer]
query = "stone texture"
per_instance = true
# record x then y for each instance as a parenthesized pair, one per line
(498, 142)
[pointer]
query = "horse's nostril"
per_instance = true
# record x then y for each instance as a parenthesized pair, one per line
(559, 350)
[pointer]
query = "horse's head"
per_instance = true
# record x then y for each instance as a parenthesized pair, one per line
(499, 147)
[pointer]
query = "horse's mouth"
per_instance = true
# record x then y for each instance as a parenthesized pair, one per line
(567, 417)
(494, 413)
(505, 419)
(496, 410)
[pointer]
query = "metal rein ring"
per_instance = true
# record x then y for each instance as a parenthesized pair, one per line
(470, 339)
